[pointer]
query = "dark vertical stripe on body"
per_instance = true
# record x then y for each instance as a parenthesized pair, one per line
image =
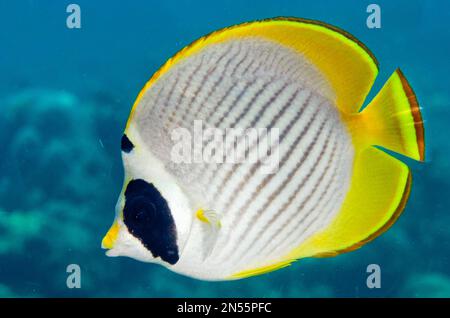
(325, 210)
(233, 72)
(167, 99)
(235, 102)
(182, 95)
(283, 160)
(236, 166)
(267, 179)
(298, 166)
(301, 206)
(205, 78)
(216, 85)
(270, 126)
(291, 198)
(277, 192)
(250, 104)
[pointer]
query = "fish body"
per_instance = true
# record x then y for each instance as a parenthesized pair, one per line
(316, 185)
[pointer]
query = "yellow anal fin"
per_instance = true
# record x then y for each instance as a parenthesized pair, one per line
(378, 193)
(260, 270)
(346, 63)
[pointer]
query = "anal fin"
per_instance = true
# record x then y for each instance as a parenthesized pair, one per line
(378, 193)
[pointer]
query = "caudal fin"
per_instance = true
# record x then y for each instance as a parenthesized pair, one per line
(393, 119)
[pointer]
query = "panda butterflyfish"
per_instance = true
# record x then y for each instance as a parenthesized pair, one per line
(335, 186)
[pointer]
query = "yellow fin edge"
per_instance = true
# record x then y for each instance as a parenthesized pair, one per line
(260, 270)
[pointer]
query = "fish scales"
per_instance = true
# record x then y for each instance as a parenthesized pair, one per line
(231, 85)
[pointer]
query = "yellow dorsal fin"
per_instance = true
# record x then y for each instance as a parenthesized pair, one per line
(347, 65)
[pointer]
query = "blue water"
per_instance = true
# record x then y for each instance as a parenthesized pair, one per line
(65, 95)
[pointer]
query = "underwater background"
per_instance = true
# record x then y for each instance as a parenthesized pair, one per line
(65, 95)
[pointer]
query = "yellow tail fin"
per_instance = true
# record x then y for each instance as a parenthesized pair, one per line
(393, 120)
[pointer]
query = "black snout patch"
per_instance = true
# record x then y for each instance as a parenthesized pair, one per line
(148, 218)
(125, 144)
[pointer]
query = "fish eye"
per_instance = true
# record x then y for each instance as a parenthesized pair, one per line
(125, 144)
(142, 210)
(141, 215)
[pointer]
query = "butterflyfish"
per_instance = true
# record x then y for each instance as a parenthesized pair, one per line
(323, 183)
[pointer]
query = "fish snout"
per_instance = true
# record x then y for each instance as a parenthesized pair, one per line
(111, 236)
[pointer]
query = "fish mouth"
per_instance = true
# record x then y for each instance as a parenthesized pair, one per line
(111, 236)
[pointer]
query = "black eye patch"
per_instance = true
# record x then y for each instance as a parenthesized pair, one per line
(125, 144)
(148, 218)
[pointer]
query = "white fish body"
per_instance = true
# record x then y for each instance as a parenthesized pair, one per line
(250, 220)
